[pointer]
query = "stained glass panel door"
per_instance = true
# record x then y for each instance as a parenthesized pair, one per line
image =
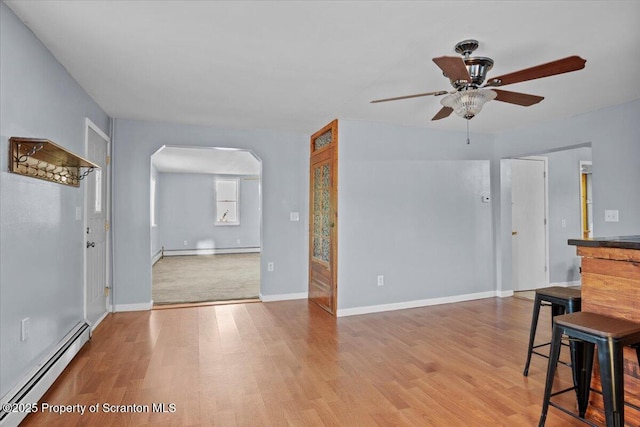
(323, 218)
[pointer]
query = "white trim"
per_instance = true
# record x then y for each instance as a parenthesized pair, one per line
(566, 284)
(211, 251)
(582, 215)
(96, 129)
(156, 258)
(504, 294)
(413, 304)
(153, 195)
(95, 325)
(143, 306)
(284, 297)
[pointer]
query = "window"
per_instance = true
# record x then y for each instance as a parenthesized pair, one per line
(98, 182)
(227, 202)
(154, 223)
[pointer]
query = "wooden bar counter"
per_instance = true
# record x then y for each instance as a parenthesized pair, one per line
(611, 286)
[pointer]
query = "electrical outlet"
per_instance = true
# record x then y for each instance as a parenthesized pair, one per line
(185, 243)
(24, 329)
(269, 266)
(564, 223)
(380, 280)
(611, 216)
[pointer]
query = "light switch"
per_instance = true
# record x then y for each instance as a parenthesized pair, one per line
(294, 216)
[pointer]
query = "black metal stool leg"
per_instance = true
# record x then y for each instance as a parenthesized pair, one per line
(556, 342)
(583, 368)
(532, 333)
(610, 357)
(557, 310)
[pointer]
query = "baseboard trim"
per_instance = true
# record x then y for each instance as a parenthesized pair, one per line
(156, 258)
(566, 284)
(504, 294)
(413, 304)
(284, 297)
(144, 306)
(210, 251)
(95, 325)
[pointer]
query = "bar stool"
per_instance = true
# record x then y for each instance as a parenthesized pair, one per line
(610, 335)
(562, 300)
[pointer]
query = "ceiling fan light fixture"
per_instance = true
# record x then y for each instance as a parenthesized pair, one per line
(468, 103)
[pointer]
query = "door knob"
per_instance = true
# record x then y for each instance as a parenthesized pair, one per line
(513, 233)
(91, 244)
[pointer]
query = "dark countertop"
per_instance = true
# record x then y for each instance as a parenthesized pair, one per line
(623, 242)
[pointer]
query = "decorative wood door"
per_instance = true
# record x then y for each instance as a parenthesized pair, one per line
(323, 218)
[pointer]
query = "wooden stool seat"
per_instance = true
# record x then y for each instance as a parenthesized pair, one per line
(610, 335)
(560, 292)
(561, 300)
(602, 326)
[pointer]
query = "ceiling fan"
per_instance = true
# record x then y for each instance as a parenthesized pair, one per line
(467, 74)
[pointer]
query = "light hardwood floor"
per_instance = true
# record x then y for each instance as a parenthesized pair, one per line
(290, 363)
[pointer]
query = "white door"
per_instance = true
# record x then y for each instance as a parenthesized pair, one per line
(529, 229)
(96, 207)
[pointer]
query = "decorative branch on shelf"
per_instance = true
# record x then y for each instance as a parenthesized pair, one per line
(44, 159)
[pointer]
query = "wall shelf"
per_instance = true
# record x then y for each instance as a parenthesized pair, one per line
(44, 159)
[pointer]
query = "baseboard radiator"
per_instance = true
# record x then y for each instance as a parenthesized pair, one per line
(31, 390)
(208, 251)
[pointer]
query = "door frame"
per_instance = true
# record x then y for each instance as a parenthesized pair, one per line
(583, 197)
(545, 161)
(211, 148)
(89, 125)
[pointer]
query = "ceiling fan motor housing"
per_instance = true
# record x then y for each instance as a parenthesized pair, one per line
(477, 66)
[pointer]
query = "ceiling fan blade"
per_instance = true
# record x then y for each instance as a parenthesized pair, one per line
(453, 67)
(444, 112)
(517, 98)
(438, 93)
(566, 65)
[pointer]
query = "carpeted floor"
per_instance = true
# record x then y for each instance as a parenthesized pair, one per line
(203, 278)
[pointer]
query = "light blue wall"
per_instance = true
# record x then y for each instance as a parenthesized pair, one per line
(614, 135)
(285, 163)
(41, 245)
(187, 211)
(410, 208)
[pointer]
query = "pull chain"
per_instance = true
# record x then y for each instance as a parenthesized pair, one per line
(468, 141)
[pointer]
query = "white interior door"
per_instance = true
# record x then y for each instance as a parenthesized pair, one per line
(529, 228)
(96, 208)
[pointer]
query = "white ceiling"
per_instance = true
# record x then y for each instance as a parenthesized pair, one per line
(205, 160)
(296, 65)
